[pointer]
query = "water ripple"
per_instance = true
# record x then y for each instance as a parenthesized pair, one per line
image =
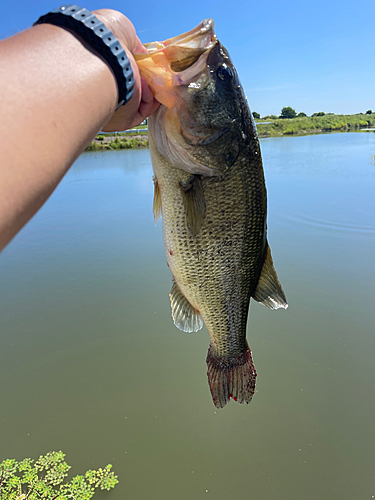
(311, 221)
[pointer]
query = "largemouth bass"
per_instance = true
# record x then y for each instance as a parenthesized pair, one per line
(211, 193)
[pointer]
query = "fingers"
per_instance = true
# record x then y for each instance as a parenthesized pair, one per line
(143, 102)
(122, 28)
(148, 104)
(139, 47)
(124, 119)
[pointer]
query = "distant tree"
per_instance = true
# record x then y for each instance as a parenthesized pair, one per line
(256, 115)
(369, 112)
(270, 117)
(301, 115)
(330, 114)
(320, 113)
(288, 112)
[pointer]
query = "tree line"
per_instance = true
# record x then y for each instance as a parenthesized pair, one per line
(288, 112)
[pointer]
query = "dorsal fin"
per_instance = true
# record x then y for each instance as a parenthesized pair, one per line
(156, 208)
(194, 203)
(185, 317)
(269, 291)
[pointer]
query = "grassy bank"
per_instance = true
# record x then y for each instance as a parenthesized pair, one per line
(315, 124)
(277, 127)
(120, 140)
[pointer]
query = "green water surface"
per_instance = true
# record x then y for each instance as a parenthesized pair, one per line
(91, 363)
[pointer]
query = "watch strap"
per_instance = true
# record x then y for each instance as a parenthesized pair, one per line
(100, 38)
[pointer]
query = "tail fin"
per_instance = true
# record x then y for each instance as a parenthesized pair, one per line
(231, 377)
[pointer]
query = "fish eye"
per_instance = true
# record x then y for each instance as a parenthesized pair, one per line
(225, 73)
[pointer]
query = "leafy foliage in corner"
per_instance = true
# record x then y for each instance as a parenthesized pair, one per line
(43, 479)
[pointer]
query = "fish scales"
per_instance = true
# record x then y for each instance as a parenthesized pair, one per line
(210, 190)
(224, 245)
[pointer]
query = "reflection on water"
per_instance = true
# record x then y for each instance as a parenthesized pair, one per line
(91, 363)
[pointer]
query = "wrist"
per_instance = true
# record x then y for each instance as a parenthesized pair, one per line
(98, 38)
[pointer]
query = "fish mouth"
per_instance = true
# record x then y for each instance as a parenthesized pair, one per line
(178, 62)
(198, 36)
(181, 52)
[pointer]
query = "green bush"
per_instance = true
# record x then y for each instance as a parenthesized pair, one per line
(256, 115)
(270, 117)
(369, 112)
(320, 113)
(301, 115)
(288, 112)
(94, 146)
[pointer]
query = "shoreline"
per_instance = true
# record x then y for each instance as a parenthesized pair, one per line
(310, 132)
(314, 125)
(110, 142)
(276, 128)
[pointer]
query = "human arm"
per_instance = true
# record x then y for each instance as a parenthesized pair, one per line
(57, 94)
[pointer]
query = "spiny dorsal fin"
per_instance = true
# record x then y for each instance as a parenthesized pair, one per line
(185, 317)
(156, 208)
(269, 291)
(194, 203)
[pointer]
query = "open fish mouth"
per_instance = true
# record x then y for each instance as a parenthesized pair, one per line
(184, 50)
(178, 60)
(199, 36)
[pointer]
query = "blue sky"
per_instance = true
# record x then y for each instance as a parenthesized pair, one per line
(311, 55)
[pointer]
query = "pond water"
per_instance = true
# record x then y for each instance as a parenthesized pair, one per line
(91, 363)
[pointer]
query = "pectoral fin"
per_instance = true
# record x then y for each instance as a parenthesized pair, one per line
(194, 203)
(156, 208)
(185, 317)
(269, 291)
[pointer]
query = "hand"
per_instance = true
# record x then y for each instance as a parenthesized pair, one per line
(143, 102)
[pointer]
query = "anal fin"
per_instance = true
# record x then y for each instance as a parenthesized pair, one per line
(184, 315)
(269, 291)
(194, 203)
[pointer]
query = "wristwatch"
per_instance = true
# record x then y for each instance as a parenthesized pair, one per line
(100, 38)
